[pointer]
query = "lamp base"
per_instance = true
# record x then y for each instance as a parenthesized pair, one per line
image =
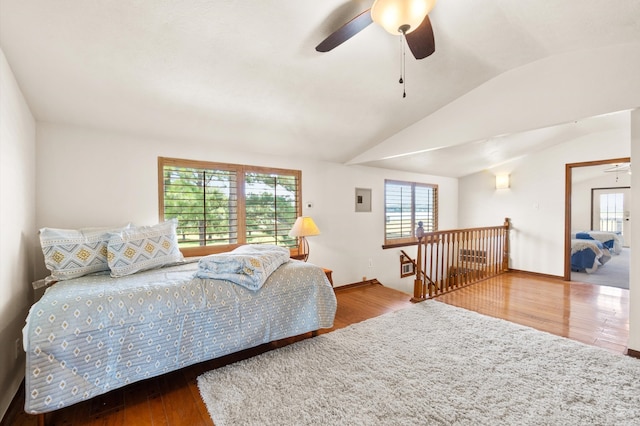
(304, 245)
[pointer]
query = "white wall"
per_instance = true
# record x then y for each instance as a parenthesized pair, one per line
(98, 178)
(17, 226)
(634, 273)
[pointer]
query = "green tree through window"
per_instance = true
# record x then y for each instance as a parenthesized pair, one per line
(220, 205)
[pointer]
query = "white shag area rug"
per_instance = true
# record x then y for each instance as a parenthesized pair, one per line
(429, 364)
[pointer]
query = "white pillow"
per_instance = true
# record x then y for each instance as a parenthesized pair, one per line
(72, 253)
(143, 247)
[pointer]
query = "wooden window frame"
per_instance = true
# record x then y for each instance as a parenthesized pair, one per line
(409, 240)
(241, 172)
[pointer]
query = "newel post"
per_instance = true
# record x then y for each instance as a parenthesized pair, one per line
(505, 254)
(418, 285)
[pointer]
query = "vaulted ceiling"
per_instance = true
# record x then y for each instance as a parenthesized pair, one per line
(507, 76)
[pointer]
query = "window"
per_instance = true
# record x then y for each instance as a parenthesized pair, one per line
(221, 205)
(406, 204)
(611, 211)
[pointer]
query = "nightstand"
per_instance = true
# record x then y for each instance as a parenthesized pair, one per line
(328, 273)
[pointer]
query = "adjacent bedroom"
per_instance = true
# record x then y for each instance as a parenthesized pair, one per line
(601, 224)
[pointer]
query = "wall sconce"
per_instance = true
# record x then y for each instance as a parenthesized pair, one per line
(502, 181)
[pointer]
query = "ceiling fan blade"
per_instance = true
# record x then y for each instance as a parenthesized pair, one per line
(421, 40)
(346, 31)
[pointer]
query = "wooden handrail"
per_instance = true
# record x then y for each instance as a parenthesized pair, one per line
(456, 258)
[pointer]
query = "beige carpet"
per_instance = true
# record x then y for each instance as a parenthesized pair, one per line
(430, 364)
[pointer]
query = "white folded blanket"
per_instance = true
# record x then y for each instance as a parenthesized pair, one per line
(248, 266)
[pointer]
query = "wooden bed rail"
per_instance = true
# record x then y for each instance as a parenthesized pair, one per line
(448, 260)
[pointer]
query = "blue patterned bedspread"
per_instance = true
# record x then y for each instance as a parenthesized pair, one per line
(92, 334)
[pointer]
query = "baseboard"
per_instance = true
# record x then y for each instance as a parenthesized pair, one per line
(538, 274)
(373, 281)
(633, 353)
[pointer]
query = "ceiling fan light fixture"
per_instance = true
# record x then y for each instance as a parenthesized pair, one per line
(397, 15)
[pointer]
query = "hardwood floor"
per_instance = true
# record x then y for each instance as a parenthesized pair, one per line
(587, 313)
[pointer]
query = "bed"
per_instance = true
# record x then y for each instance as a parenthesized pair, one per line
(90, 334)
(587, 255)
(611, 240)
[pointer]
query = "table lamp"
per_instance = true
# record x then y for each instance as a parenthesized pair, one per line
(302, 228)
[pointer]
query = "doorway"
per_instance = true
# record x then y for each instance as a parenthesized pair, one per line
(569, 172)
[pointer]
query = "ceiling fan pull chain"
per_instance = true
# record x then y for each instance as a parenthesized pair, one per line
(401, 64)
(403, 69)
(403, 76)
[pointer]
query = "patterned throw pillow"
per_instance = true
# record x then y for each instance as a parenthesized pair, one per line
(143, 247)
(72, 253)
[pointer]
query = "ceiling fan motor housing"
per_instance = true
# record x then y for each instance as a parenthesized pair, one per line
(400, 16)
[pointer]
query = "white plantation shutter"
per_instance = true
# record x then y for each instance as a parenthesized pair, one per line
(406, 204)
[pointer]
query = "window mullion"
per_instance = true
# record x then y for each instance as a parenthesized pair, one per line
(274, 217)
(241, 205)
(202, 228)
(413, 209)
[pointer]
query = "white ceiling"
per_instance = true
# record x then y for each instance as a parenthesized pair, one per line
(507, 76)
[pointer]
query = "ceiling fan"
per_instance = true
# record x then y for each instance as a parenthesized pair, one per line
(622, 167)
(405, 17)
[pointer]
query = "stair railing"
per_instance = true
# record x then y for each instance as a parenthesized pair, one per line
(448, 260)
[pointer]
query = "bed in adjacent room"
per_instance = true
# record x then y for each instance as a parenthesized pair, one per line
(611, 240)
(587, 255)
